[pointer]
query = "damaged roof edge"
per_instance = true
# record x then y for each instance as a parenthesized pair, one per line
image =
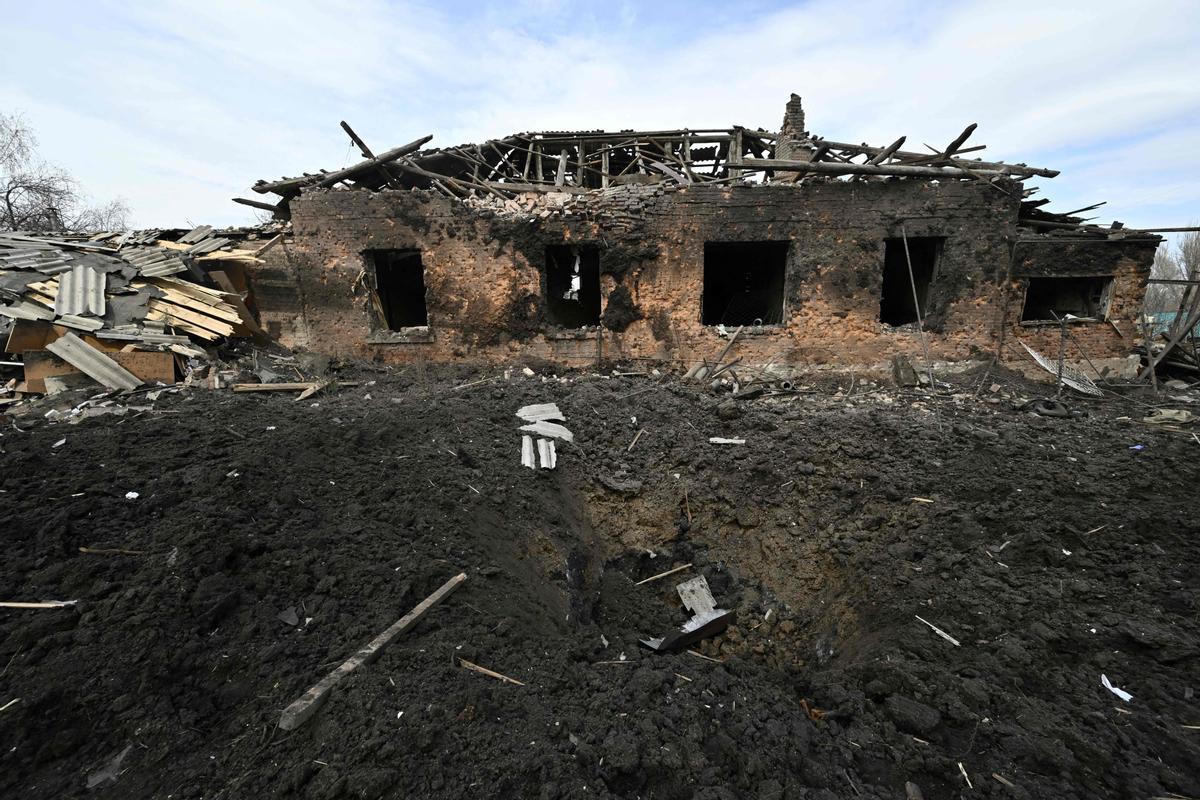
(575, 161)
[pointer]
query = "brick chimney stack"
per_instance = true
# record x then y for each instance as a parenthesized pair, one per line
(792, 143)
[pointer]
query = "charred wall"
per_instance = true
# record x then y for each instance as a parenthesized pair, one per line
(1126, 262)
(485, 270)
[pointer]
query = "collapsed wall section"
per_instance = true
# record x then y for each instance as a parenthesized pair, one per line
(506, 278)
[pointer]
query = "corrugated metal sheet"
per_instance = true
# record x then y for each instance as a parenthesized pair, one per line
(154, 262)
(92, 362)
(81, 291)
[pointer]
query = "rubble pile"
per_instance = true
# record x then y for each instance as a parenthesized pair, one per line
(121, 309)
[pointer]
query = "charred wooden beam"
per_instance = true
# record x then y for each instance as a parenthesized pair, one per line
(291, 186)
(897, 170)
(261, 206)
(887, 152)
(958, 142)
(861, 149)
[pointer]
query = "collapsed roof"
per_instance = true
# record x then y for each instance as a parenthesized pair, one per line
(582, 161)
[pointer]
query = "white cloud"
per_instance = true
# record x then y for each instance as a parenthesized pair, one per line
(180, 105)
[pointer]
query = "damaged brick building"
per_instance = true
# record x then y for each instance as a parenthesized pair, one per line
(577, 246)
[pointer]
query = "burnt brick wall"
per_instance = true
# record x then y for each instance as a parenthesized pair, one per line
(1127, 261)
(485, 278)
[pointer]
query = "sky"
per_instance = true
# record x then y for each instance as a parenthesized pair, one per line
(177, 106)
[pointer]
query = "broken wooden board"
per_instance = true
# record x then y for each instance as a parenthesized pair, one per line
(275, 387)
(302, 710)
(159, 309)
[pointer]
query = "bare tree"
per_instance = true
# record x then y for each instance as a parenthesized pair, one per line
(38, 196)
(1164, 297)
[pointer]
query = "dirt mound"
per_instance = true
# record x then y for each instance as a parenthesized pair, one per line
(271, 539)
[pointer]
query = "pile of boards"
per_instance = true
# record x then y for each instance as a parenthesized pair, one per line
(119, 309)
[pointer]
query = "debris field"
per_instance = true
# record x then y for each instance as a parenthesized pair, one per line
(934, 592)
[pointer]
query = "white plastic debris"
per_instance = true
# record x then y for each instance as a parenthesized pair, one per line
(59, 443)
(527, 452)
(132, 495)
(723, 440)
(1121, 693)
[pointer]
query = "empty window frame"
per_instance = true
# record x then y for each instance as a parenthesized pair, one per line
(1047, 298)
(399, 296)
(573, 285)
(896, 303)
(743, 283)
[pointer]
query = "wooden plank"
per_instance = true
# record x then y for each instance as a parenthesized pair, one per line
(192, 290)
(47, 604)
(155, 315)
(274, 387)
(224, 311)
(302, 710)
(173, 311)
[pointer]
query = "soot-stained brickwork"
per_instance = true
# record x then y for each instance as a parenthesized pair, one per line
(485, 272)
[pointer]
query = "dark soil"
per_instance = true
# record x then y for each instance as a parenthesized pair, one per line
(278, 537)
